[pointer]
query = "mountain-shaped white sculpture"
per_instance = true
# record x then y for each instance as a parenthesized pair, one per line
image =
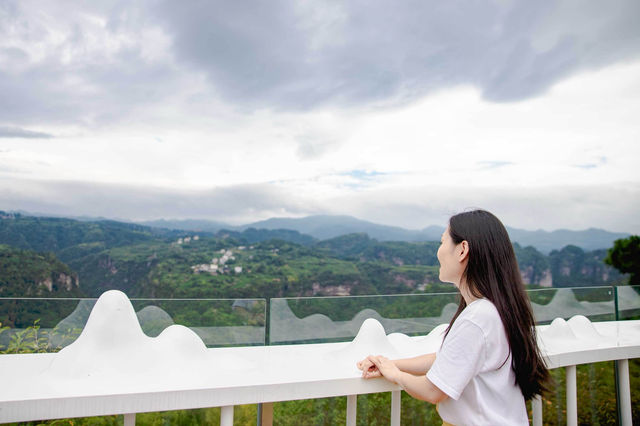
(113, 346)
(576, 334)
(371, 339)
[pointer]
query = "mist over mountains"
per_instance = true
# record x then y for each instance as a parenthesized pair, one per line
(323, 227)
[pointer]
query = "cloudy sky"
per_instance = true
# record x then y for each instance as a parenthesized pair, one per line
(400, 113)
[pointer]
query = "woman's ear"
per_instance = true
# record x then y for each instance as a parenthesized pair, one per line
(463, 251)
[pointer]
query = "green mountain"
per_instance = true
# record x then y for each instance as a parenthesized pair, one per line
(70, 238)
(213, 267)
(545, 241)
(253, 235)
(360, 247)
(25, 273)
(149, 262)
(324, 227)
(196, 225)
(573, 266)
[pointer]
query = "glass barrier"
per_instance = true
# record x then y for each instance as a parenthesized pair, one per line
(595, 303)
(628, 302)
(333, 319)
(48, 325)
(327, 319)
(40, 324)
(218, 322)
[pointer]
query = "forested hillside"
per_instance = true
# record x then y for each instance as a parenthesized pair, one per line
(25, 273)
(572, 264)
(151, 262)
(71, 238)
(212, 267)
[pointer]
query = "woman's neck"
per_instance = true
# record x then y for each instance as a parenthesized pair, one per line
(466, 293)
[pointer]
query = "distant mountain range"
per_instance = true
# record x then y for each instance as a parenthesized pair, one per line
(60, 256)
(323, 227)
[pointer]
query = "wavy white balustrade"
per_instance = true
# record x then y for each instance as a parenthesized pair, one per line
(114, 368)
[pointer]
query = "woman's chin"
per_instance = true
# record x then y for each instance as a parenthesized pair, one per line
(449, 282)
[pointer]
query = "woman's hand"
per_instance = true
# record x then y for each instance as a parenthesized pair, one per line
(368, 368)
(378, 365)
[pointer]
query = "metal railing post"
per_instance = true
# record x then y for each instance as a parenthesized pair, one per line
(352, 405)
(266, 414)
(396, 398)
(226, 415)
(536, 410)
(572, 396)
(624, 392)
(616, 373)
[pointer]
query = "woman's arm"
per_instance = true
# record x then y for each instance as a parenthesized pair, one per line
(418, 386)
(418, 365)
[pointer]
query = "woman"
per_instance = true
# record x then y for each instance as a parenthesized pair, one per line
(489, 362)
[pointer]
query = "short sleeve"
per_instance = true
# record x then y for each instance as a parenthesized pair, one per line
(460, 358)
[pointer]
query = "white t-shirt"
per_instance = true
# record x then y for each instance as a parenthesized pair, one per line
(470, 368)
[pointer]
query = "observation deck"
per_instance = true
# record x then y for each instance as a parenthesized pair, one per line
(125, 362)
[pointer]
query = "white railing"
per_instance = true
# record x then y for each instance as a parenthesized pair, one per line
(35, 387)
(624, 390)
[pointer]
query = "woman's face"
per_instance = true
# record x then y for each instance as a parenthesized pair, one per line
(449, 256)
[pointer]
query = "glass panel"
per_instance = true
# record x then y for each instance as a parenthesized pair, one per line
(47, 325)
(218, 322)
(333, 319)
(628, 302)
(595, 303)
(41, 325)
(629, 309)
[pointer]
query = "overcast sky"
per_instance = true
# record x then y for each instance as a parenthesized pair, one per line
(401, 113)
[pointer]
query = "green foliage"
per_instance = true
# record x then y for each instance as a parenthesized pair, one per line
(26, 273)
(344, 309)
(596, 395)
(253, 235)
(242, 415)
(56, 234)
(625, 257)
(33, 339)
(148, 262)
(533, 264)
(573, 267)
(361, 247)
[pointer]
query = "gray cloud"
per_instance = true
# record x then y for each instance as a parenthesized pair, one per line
(280, 55)
(234, 203)
(298, 55)
(73, 81)
(16, 132)
(571, 207)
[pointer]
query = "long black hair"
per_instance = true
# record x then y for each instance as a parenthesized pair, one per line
(492, 272)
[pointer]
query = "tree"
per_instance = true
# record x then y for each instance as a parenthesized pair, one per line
(625, 257)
